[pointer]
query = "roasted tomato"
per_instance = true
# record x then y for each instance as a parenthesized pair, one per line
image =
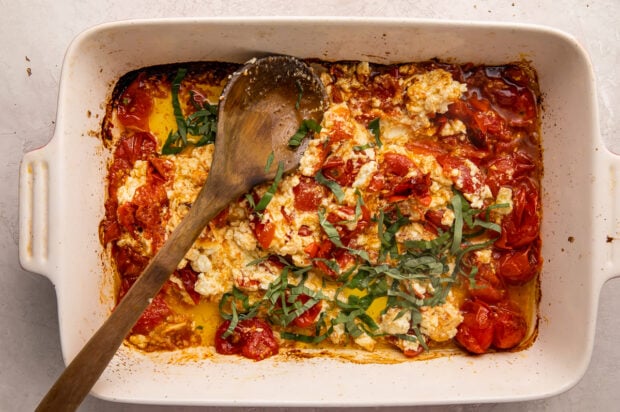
(516, 103)
(397, 164)
(129, 263)
(505, 169)
(518, 266)
(501, 326)
(136, 146)
(522, 225)
(135, 105)
(510, 326)
(154, 315)
(340, 171)
(466, 176)
(399, 178)
(264, 231)
(488, 287)
(252, 338)
(433, 220)
(412, 353)
(476, 331)
(188, 278)
(308, 195)
(485, 126)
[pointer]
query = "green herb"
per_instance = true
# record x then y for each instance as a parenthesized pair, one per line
(201, 124)
(231, 300)
(363, 147)
(427, 262)
(300, 92)
(333, 186)
(375, 129)
(330, 230)
(266, 198)
(387, 233)
(306, 126)
(269, 162)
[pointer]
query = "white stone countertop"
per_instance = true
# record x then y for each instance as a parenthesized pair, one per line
(34, 35)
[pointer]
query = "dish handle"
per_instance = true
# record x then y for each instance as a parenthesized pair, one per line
(611, 210)
(34, 211)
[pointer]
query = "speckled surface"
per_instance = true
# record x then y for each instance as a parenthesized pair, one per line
(33, 38)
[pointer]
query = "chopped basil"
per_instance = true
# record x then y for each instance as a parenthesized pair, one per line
(266, 198)
(333, 186)
(202, 124)
(269, 161)
(388, 278)
(330, 230)
(306, 126)
(375, 129)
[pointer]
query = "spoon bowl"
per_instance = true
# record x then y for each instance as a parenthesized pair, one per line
(261, 107)
(266, 100)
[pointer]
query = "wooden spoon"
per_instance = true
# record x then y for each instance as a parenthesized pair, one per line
(261, 107)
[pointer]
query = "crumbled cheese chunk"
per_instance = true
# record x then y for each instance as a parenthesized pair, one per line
(136, 178)
(392, 324)
(440, 322)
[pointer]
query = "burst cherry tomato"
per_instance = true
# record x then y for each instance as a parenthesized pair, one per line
(264, 233)
(489, 287)
(521, 226)
(136, 146)
(464, 176)
(397, 164)
(504, 170)
(341, 172)
(308, 195)
(476, 331)
(510, 326)
(135, 106)
(518, 266)
(252, 338)
(188, 278)
(154, 315)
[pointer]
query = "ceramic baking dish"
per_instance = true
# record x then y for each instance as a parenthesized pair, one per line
(62, 194)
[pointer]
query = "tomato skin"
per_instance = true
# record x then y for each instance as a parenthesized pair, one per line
(505, 169)
(341, 172)
(252, 338)
(230, 345)
(259, 342)
(155, 314)
(489, 287)
(476, 331)
(221, 218)
(500, 325)
(136, 146)
(264, 233)
(135, 106)
(519, 266)
(188, 277)
(521, 227)
(510, 326)
(464, 178)
(399, 178)
(308, 195)
(128, 262)
(397, 164)
(410, 353)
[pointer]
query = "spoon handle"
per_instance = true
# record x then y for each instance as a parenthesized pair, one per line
(78, 378)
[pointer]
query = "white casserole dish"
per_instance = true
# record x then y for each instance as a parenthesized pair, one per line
(62, 188)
